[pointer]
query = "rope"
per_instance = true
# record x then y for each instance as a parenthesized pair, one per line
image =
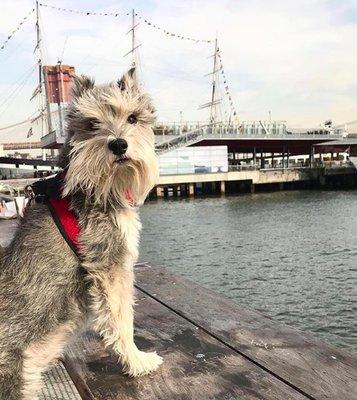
(101, 14)
(6, 103)
(112, 14)
(29, 119)
(15, 125)
(16, 29)
(171, 34)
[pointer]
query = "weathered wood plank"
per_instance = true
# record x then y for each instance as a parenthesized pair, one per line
(196, 366)
(321, 371)
(58, 385)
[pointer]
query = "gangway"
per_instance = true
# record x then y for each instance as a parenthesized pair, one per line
(181, 140)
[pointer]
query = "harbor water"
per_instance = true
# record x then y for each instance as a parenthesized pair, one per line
(291, 255)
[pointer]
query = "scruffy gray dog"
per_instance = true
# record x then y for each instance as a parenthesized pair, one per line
(44, 294)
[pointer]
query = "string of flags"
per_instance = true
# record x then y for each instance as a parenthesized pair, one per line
(112, 14)
(171, 34)
(16, 29)
(102, 14)
(226, 86)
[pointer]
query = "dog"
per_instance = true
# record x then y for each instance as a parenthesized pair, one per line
(47, 293)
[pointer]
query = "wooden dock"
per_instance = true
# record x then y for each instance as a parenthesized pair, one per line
(212, 349)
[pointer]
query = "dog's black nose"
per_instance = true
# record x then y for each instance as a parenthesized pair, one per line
(118, 146)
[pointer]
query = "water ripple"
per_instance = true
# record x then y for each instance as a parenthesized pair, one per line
(290, 255)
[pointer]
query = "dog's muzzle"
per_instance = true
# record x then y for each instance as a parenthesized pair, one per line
(118, 146)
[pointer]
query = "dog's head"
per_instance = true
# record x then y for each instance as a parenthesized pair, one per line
(111, 147)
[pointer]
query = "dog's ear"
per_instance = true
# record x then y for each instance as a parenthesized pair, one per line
(128, 81)
(81, 83)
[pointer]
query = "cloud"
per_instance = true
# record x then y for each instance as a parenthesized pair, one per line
(296, 59)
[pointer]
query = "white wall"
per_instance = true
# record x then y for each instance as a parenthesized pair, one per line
(190, 160)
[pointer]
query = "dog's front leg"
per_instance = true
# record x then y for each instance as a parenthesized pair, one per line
(113, 301)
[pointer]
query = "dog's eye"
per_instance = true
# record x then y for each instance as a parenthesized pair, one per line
(132, 119)
(91, 124)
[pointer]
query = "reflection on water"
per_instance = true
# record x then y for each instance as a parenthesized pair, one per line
(290, 255)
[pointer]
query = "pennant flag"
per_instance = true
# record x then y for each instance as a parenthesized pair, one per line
(16, 29)
(136, 14)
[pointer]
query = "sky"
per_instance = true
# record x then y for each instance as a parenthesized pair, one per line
(295, 58)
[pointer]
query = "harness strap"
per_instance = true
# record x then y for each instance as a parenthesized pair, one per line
(66, 221)
(49, 191)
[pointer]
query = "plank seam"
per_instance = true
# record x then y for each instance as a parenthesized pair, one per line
(247, 357)
(78, 381)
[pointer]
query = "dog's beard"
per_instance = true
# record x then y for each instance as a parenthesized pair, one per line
(104, 179)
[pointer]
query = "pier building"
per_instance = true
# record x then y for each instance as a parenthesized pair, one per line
(237, 162)
(202, 162)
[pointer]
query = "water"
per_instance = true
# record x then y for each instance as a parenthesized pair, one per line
(290, 255)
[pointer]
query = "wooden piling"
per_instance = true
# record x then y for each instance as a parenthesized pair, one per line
(159, 192)
(223, 187)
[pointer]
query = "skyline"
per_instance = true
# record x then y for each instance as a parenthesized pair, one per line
(295, 60)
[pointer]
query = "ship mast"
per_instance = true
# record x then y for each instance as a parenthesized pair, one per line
(38, 48)
(39, 90)
(133, 60)
(213, 105)
(134, 45)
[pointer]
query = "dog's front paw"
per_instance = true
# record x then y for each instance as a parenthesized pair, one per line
(142, 363)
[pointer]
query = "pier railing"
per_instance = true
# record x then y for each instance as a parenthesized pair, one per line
(172, 141)
(233, 127)
(211, 167)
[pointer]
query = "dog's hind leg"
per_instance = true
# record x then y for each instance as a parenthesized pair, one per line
(10, 375)
(38, 357)
(113, 296)
(10, 385)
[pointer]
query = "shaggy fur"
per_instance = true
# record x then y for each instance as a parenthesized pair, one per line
(44, 294)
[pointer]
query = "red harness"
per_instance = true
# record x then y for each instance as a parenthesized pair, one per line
(66, 221)
(49, 191)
